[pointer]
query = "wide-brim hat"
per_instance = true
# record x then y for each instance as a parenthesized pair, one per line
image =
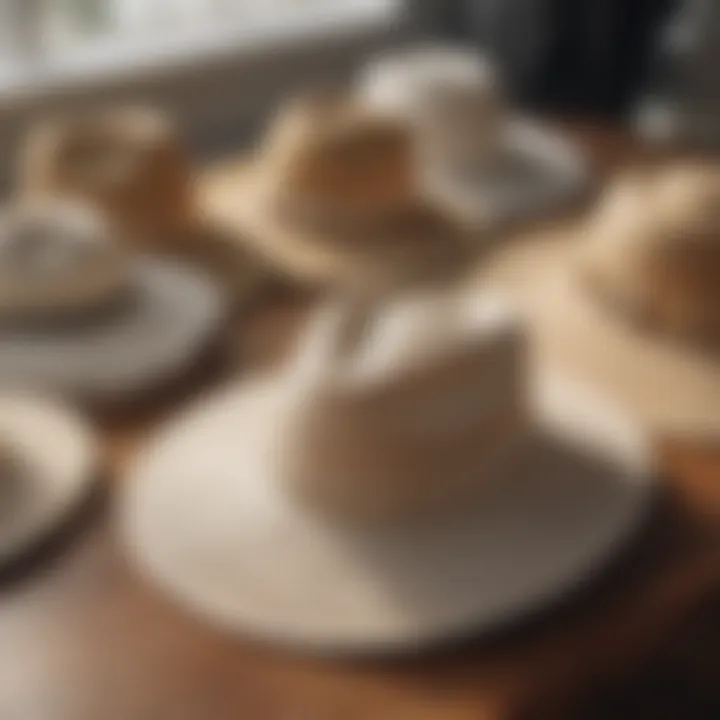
(58, 462)
(668, 384)
(206, 516)
(167, 317)
(333, 197)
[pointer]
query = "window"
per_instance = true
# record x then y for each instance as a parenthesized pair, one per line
(40, 38)
(219, 65)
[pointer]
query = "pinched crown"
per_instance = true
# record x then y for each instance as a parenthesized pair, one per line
(399, 408)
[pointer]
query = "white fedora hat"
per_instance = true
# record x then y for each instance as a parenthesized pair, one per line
(628, 302)
(481, 159)
(80, 316)
(49, 462)
(391, 488)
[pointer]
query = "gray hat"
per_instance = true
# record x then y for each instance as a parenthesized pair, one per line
(167, 316)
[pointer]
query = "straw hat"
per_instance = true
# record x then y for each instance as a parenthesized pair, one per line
(395, 484)
(480, 159)
(333, 197)
(631, 304)
(81, 315)
(48, 462)
(131, 162)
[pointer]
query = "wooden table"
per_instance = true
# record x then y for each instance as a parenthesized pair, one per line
(81, 637)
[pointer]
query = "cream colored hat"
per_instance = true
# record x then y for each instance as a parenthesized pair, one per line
(629, 302)
(81, 316)
(48, 462)
(333, 197)
(477, 157)
(392, 486)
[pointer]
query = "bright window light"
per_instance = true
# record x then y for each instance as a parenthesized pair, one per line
(40, 38)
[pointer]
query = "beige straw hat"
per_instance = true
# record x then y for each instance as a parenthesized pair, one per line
(630, 301)
(396, 484)
(477, 155)
(48, 463)
(333, 197)
(129, 160)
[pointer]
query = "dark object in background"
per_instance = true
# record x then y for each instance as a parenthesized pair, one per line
(682, 99)
(564, 55)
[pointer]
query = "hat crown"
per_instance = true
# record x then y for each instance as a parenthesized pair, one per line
(655, 246)
(384, 402)
(50, 238)
(364, 353)
(452, 96)
(409, 82)
(58, 256)
(107, 146)
(330, 160)
(129, 160)
(668, 205)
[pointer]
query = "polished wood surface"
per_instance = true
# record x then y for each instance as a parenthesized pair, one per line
(83, 638)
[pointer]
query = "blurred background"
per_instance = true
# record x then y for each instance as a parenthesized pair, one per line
(221, 64)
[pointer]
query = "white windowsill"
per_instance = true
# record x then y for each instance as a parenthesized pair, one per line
(127, 59)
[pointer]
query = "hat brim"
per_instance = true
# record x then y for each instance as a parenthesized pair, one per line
(426, 248)
(171, 315)
(668, 385)
(206, 519)
(63, 462)
(537, 171)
